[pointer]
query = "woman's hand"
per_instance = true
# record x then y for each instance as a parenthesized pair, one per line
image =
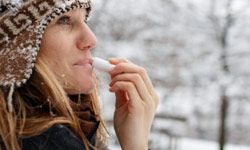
(136, 102)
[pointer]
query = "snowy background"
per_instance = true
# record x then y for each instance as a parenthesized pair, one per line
(196, 53)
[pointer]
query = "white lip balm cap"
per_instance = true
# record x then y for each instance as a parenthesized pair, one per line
(102, 64)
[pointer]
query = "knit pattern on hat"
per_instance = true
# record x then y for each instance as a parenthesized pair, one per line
(22, 24)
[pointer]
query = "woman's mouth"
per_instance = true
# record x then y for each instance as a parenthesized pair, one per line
(87, 62)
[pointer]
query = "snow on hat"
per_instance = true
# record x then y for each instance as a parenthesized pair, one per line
(22, 24)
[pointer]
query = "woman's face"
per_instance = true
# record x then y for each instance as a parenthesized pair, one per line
(65, 47)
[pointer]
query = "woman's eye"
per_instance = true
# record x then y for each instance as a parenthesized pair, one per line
(85, 20)
(64, 20)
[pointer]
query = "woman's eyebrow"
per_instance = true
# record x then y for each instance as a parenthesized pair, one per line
(64, 15)
(85, 16)
(56, 19)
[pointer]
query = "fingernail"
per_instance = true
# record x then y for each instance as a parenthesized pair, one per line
(111, 59)
(111, 70)
(110, 89)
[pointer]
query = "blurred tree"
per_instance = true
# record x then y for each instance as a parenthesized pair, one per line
(222, 37)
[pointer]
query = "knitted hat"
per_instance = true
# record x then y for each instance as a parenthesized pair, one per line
(22, 24)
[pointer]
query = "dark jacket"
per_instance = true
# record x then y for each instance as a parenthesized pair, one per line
(58, 137)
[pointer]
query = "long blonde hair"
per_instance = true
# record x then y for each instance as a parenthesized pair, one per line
(26, 121)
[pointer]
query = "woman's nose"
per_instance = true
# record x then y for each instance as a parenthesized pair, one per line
(86, 39)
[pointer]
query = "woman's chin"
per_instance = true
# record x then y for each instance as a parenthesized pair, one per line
(86, 88)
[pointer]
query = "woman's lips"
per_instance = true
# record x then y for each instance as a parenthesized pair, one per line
(84, 62)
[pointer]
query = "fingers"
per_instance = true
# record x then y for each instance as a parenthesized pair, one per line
(129, 88)
(136, 80)
(127, 71)
(116, 61)
(123, 65)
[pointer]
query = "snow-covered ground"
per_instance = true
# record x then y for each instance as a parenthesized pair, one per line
(194, 144)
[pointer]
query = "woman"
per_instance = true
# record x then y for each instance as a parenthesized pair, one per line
(48, 94)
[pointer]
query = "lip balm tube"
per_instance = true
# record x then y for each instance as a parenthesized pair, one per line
(102, 64)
